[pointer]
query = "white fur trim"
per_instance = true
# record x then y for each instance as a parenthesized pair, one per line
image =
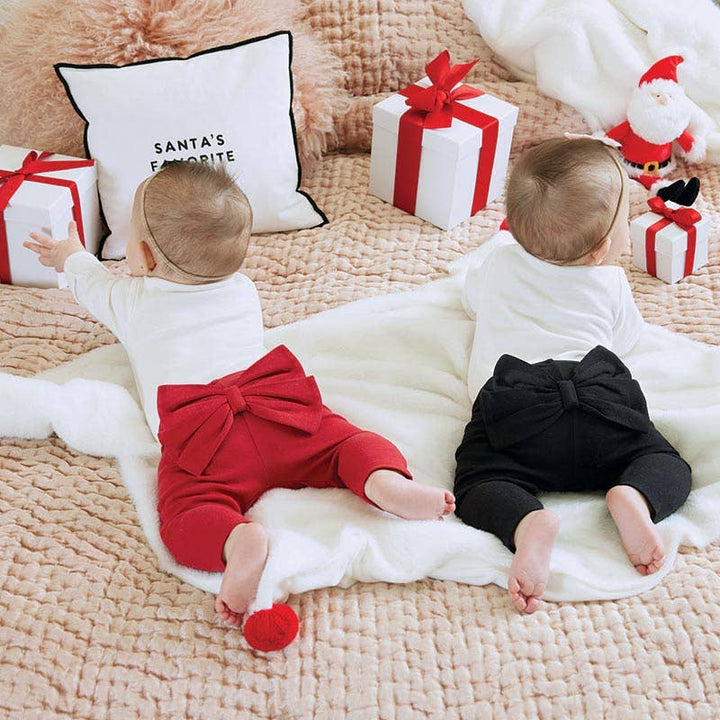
(696, 154)
(661, 85)
(713, 148)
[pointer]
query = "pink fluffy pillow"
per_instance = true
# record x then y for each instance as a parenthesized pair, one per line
(38, 33)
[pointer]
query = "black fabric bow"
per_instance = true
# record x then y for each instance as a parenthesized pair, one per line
(522, 400)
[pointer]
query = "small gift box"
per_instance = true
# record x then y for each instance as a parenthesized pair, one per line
(42, 192)
(440, 148)
(670, 242)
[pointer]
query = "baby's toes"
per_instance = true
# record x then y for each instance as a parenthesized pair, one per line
(222, 610)
(516, 596)
(227, 615)
(530, 591)
(449, 503)
(235, 619)
(656, 561)
(533, 597)
(647, 564)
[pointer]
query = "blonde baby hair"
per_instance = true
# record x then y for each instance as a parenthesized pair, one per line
(564, 197)
(197, 221)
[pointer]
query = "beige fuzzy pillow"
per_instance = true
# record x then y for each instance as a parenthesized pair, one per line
(35, 34)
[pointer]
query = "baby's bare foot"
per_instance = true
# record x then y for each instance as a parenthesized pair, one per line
(245, 553)
(530, 569)
(397, 494)
(640, 538)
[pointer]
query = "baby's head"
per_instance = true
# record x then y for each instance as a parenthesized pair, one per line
(567, 202)
(190, 224)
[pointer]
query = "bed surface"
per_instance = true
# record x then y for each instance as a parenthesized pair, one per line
(91, 628)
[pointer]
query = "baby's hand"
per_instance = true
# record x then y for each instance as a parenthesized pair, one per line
(54, 253)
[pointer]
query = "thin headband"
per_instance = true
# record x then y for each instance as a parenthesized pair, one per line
(623, 183)
(616, 214)
(157, 249)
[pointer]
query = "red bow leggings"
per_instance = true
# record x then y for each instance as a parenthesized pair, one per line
(197, 513)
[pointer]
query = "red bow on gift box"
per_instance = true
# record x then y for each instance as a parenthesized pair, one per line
(11, 180)
(685, 218)
(435, 107)
(436, 101)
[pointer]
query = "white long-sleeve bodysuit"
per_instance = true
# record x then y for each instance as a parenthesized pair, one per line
(173, 333)
(536, 310)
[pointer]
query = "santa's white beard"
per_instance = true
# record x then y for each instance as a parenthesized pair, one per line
(656, 123)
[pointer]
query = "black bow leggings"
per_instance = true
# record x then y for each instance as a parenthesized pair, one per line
(495, 489)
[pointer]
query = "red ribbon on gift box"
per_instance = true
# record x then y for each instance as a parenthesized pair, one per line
(434, 107)
(32, 167)
(684, 217)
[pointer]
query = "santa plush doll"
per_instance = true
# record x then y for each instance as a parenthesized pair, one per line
(659, 114)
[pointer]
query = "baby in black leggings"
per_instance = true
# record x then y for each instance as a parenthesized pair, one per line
(555, 409)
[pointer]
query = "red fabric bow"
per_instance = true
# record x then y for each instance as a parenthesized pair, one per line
(685, 217)
(521, 400)
(437, 99)
(196, 419)
(32, 166)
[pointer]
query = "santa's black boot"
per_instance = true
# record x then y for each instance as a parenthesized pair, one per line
(690, 192)
(672, 192)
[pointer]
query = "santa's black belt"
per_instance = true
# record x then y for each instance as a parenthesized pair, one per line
(643, 166)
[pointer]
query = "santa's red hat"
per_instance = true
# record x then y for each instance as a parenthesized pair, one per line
(665, 69)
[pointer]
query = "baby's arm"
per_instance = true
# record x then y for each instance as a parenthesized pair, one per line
(106, 295)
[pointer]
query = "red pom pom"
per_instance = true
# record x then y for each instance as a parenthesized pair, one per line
(271, 629)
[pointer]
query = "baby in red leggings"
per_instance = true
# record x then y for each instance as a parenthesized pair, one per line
(233, 420)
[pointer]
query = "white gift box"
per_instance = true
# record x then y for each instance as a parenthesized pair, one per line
(449, 160)
(44, 208)
(668, 249)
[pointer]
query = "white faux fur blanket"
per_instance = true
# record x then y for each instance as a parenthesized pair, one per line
(397, 365)
(590, 55)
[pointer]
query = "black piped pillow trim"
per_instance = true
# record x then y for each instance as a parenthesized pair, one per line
(59, 67)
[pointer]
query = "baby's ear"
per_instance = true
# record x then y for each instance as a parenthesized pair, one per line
(596, 256)
(148, 257)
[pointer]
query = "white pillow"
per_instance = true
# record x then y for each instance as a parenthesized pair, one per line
(230, 104)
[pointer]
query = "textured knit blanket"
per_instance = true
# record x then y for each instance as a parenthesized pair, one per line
(396, 364)
(93, 628)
